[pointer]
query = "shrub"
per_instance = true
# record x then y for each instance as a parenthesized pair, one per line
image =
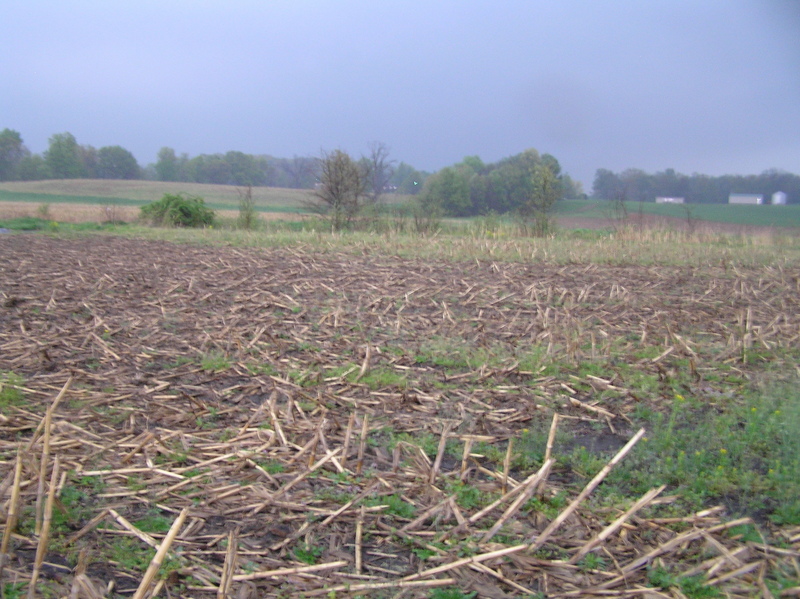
(248, 219)
(178, 210)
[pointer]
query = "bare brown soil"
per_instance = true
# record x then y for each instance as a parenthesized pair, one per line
(267, 400)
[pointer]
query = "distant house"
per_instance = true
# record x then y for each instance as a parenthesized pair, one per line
(663, 200)
(779, 198)
(746, 198)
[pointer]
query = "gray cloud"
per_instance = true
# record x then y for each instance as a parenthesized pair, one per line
(708, 86)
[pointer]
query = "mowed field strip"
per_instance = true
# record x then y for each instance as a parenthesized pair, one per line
(100, 191)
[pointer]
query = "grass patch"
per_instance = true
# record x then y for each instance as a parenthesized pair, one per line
(395, 505)
(10, 390)
(15, 590)
(134, 556)
(154, 521)
(271, 466)
(382, 377)
(30, 223)
(744, 452)
(215, 362)
(691, 586)
(452, 593)
(308, 554)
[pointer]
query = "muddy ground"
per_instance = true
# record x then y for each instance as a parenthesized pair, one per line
(273, 403)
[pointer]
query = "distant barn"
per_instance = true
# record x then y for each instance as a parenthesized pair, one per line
(746, 198)
(665, 200)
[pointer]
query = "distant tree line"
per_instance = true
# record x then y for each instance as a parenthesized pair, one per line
(472, 187)
(300, 172)
(65, 158)
(639, 186)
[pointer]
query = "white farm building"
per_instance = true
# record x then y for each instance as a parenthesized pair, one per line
(746, 198)
(665, 200)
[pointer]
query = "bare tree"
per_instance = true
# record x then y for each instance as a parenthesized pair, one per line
(379, 170)
(247, 208)
(299, 168)
(340, 194)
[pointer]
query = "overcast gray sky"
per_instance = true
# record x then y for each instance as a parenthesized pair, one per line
(698, 85)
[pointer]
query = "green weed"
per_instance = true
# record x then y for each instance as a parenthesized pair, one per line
(382, 377)
(592, 561)
(396, 505)
(74, 506)
(452, 593)
(308, 554)
(10, 392)
(745, 453)
(153, 521)
(180, 361)
(14, 590)
(271, 466)
(584, 463)
(428, 442)
(490, 451)
(423, 553)
(333, 494)
(134, 556)
(215, 362)
(134, 483)
(468, 497)
(264, 368)
(93, 484)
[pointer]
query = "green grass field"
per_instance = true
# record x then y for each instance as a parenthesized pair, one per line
(766, 216)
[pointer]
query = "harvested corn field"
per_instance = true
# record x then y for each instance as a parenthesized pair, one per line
(214, 422)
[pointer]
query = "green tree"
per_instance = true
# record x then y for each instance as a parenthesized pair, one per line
(511, 181)
(475, 164)
(550, 162)
(33, 168)
(12, 151)
(407, 179)
(167, 165)
(607, 185)
(245, 169)
(210, 168)
(115, 162)
(89, 159)
(638, 185)
(340, 195)
(545, 192)
(63, 157)
(448, 191)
